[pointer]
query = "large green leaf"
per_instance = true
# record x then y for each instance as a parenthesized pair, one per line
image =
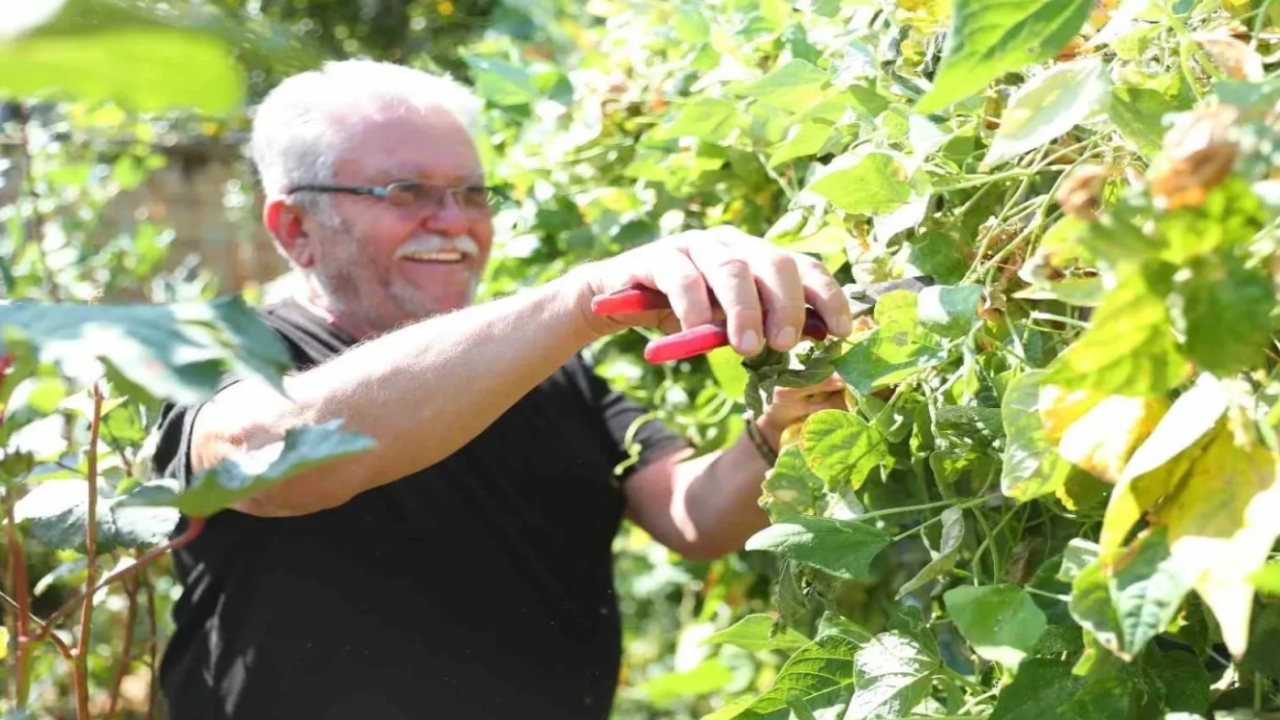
(1040, 691)
(949, 311)
(1264, 642)
(841, 448)
(1049, 106)
(706, 118)
(790, 488)
(820, 674)
(502, 83)
(991, 37)
(842, 548)
(802, 140)
(1184, 679)
(795, 86)
(1130, 348)
(1139, 115)
(897, 349)
(178, 352)
(1032, 466)
(56, 512)
(1092, 606)
(1147, 586)
(122, 51)
(758, 632)
(707, 677)
(1001, 622)
(864, 183)
(894, 673)
(1224, 309)
(236, 478)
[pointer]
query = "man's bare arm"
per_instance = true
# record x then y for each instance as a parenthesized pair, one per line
(424, 391)
(421, 392)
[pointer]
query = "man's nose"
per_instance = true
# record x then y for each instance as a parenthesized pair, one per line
(448, 219)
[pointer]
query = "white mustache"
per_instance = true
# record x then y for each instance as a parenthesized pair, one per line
(438, 243)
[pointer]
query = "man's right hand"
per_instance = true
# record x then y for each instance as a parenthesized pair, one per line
(760, 289)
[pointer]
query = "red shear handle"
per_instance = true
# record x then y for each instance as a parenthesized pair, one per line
(636, 298)
(705, 338)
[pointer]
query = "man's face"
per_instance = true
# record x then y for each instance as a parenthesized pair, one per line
(384, 265)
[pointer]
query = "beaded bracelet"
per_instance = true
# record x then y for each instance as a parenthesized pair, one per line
(762, 445)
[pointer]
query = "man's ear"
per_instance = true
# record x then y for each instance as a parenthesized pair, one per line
(284, 221)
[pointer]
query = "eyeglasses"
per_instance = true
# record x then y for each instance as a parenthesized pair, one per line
(419, 195)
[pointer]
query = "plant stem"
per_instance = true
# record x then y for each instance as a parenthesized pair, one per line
(194, 527)
(1038, 591)
(36, 233)
(23, 605)
(926, 506)
(81, 665)
(63, 648)
(153, 650)
(126, 652)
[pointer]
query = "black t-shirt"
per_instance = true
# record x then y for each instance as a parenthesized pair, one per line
(479, 587)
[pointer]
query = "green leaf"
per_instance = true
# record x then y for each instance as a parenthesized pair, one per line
(178, 352)
(842, 548)
(897, 349)
(949, 311)
(1106, 695)
(802, 140)
(1130, 348)
(1268, 579)
(894, 673)
(1224, 309)
(756, 633)
(820, 674)
(1139, 115)
(1001, 622)
(1040, 690)
(945, 558)
(794, 86)
(991, 37)
(1048, 106)
(1092, 607)
(790, 488)
(841, 448)
(238, 477)
(706, 118)
(978, 426)
(502, 83)
(708, 677)
(125, 53)
(1264, 643)
(864, 183)
(1032, 466)
(1078, 555)
(726, 366)
(1147, 586)
(940, 255)
(55, 513)
(1184, 679)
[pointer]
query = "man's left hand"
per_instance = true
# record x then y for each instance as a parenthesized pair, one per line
(793, 405)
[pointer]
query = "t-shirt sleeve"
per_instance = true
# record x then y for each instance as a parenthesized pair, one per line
(635, 437)
(172, 458)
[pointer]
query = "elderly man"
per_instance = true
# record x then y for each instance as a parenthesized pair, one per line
(461, 569)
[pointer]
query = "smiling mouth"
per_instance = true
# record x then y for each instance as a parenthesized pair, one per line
(443, 256)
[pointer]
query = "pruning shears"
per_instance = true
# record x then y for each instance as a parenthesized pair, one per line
(705, 338)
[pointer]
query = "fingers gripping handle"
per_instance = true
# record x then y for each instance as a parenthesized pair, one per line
(687, 343)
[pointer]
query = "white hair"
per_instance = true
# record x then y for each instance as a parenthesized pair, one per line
(299, 132)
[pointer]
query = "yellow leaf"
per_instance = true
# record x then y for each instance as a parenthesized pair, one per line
(1059, 407)
(1223, 521)
(1160, 463)
(4, 642)
(1104, 438)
